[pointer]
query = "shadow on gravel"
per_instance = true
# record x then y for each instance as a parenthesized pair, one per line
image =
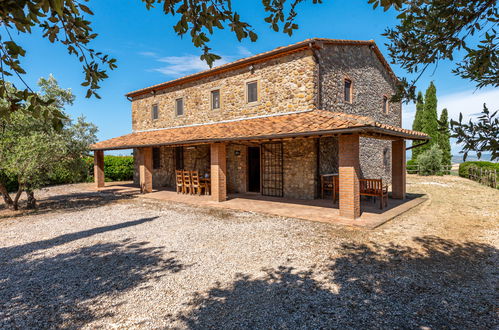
(68, 202)
(442, 284)
(21, 250)
(63, 290)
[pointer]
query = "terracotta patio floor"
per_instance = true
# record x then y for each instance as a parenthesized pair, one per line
(322, 210)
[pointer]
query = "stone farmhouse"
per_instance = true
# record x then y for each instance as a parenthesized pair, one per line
(272, 123)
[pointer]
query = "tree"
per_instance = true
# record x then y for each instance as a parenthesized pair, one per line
(430, 116)
(417, 124)
(434, 30)
(31, 148)
(418, 41)
(444, 138)
(430, 161)
(480, 136)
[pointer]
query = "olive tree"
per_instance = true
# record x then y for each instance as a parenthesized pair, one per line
(31, 148)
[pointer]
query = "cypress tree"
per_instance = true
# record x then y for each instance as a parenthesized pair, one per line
(417, 124)
(444, 137)
(430, 117)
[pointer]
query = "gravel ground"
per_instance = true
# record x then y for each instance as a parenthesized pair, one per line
(98, 260)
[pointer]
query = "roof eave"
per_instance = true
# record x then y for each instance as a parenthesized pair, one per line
(360, 129)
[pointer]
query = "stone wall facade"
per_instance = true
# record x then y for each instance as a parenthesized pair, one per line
(285, 84)
(297, 82)
(300, 168)
(370, 82)
(237, 168)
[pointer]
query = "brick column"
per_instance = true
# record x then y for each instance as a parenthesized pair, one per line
(145, 169)
(398, 169)
(349, 171)
(99, 168)
(218, 171)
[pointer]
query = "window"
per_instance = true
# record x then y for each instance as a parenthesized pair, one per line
(156, 158)
(348, 91)
(155, 112)
(179, 106)
(252, 91)
(385, 104)
(215, 99)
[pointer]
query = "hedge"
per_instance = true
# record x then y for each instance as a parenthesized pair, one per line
(463, 167)
(118, 168)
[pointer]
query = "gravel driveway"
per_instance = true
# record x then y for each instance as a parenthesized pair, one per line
(118, 262)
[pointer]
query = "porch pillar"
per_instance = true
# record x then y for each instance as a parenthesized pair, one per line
(145, 169)
(218, 155)
(349, 171)
(99, 168)
(398, 169)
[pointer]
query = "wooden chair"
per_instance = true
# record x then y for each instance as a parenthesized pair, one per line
(336, 187)
(197, 184)
(179, 181)
(374, 188)
(326, 184)
(186, 178)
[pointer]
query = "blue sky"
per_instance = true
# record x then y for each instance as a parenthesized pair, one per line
(149, 52)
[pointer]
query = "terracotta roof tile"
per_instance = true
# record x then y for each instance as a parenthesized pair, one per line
(307, 123)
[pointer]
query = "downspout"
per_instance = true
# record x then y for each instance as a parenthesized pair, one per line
(418, 145)
(313, 47)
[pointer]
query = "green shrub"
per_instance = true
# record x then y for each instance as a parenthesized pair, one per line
(463, 167)
(116, 168)
(430, 161)
(411, 166)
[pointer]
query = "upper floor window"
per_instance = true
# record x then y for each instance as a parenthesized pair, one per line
(155, 112)
(156, 158)
(179, 107)
(252, 91)
(215, 99)
(348, 91)
(386, 105)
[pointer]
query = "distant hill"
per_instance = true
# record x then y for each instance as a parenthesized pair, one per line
(459, 158)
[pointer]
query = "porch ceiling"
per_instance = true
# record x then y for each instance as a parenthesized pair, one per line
(305, 123)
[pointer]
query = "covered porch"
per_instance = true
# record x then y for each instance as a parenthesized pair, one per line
(218, 138)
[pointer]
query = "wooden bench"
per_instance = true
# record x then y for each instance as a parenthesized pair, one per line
(375, 188)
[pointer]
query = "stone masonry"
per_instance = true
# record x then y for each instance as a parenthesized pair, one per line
(296, 82)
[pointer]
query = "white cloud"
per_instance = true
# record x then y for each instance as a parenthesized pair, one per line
(148, 54)
(243, 51)
(178, 66)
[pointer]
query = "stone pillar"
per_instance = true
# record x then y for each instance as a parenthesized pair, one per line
(145, 169)
(99, 168)
(398, 169)
(349, 171)
(218, 171)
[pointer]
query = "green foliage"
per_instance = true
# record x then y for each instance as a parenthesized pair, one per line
(430, 161)
(444, 138)
(62, 22)
(430, 116)
(464, 167)
(411, 166)
(35, 152)
(420, 38)
(417, 124)
(432, 31)
(480, 136)
(116, 168)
